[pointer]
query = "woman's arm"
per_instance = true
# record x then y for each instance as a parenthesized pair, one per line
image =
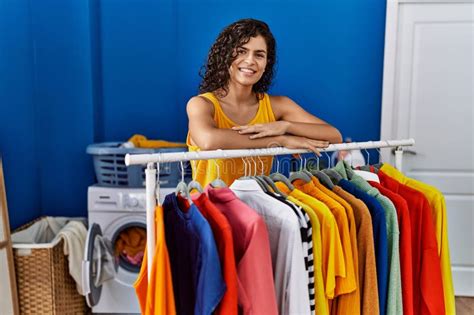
(206, 135)
(293, 119)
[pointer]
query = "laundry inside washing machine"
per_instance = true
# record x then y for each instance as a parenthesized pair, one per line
(129, 246)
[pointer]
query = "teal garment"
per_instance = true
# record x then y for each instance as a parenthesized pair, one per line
(394, 291)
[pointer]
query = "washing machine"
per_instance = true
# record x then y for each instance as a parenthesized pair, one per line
(112, 211)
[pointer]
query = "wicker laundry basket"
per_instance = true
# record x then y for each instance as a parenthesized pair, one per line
(44, 283)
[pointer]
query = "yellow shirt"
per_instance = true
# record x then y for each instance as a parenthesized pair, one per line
(156, 296)
(205, 171)
(438, 207)
(346, 284)
(333, 265)
(321, 301)
(347, 303)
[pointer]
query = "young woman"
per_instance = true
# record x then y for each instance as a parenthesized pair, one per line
(234, 111)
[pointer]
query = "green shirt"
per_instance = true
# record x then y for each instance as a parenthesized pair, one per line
(394, 293)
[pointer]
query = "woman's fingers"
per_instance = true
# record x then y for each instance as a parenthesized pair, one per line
(319, 144)
(259, 135)
(239, 127)
(247, 129)
(315, 151)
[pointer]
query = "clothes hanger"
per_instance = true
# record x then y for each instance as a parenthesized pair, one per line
(322, 177)
(278, 177)
(194, 184)
(365, 172)
(182, 187)
(329, 159)
(246, 168)
(218, 182)
(301, 174)
(254, 176)
(333, 175)
(267, 182)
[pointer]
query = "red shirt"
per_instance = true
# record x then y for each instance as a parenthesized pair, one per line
(404, 225)
(225, 247)
(428, 297)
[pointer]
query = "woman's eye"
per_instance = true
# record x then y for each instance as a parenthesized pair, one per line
(241, 51)
(260, 56)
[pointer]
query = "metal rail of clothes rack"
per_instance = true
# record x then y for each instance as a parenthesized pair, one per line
(153, 190)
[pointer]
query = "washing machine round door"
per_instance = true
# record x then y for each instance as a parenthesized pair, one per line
(98, 265)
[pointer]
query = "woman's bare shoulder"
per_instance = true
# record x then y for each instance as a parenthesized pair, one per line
(281, 104)
(199, 105)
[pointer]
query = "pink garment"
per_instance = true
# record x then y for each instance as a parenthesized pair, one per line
(256, 290)
(135, 260)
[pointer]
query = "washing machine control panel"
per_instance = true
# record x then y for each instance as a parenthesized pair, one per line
(119, 198)
(134, 201)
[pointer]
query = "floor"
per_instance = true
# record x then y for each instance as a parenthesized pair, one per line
(464, 305)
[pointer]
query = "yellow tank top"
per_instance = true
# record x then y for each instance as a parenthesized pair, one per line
(205, 171)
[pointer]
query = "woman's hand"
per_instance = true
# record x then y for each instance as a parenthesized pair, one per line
(276, 128)
(296, 142)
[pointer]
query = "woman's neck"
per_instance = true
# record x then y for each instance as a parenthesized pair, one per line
(239, 95)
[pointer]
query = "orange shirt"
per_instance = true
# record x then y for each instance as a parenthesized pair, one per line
(156, 296)
(365, 246)
(345, 283)
(347, 303)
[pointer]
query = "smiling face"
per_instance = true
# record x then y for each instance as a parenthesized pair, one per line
(250, 63)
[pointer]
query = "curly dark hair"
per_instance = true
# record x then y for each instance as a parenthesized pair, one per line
(223, 53)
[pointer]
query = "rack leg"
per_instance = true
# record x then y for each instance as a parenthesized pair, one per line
(150, 180)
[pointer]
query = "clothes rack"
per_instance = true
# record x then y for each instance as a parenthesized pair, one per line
(151, 173)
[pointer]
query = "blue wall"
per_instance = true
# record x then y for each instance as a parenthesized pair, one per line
(18, 112)
(76, 72)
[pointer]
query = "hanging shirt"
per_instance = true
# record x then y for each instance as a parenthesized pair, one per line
(345, 284)
(205, 171)
(256, 290)
(333, 264)
(306, 240)
(365, 247)
(394, 303)
(156, 296)
(197, 276)
(347, 303)
(225, 247)
(428, 297)
(379, 227)
(404, 223)
(440, 219)
(289, 271)
(321, 301)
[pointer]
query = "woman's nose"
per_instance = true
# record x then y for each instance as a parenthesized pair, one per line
(250, 59)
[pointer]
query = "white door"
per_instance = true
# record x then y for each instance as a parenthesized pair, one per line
(428, 95)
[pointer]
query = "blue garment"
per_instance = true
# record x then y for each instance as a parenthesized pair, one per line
(379, 227)
(197, 278)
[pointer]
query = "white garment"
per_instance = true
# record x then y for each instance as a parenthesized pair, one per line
(355, 158)
(74, 235)
(368, 176)
(290, 275)
(41, 232)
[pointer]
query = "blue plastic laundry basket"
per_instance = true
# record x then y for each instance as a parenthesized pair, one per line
(110, 168)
